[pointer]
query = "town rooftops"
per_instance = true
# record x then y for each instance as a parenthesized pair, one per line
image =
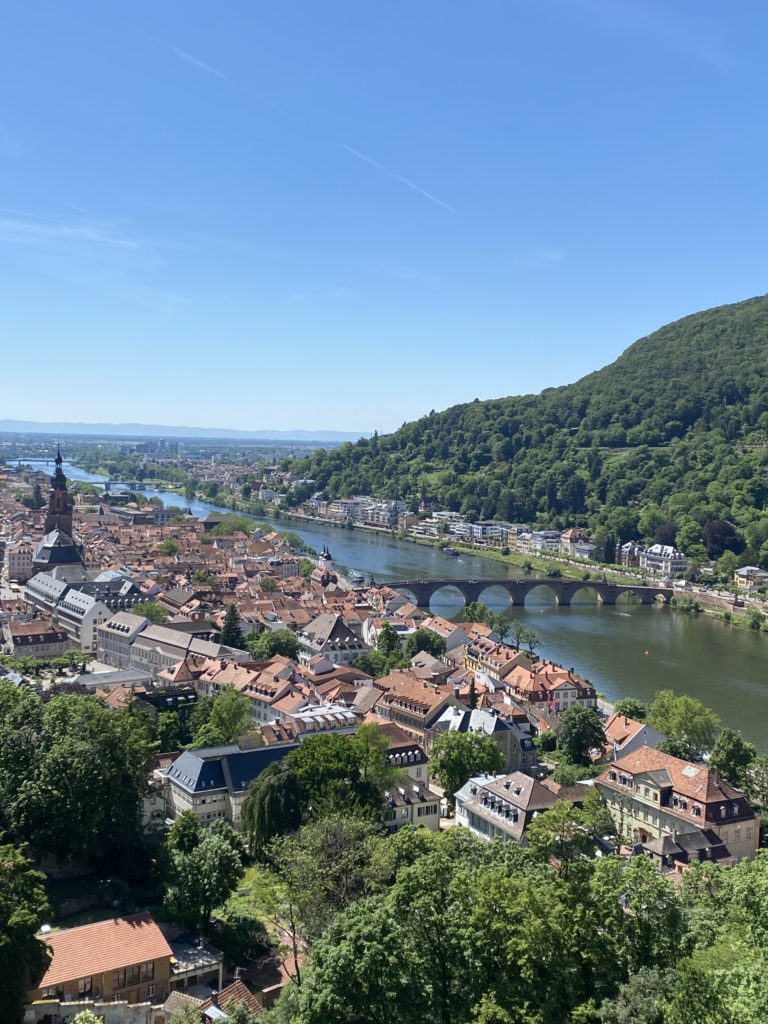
(94, 949)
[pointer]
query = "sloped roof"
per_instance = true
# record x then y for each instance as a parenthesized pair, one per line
(105, 946)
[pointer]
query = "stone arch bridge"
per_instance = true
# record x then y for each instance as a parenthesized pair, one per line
(518, 590)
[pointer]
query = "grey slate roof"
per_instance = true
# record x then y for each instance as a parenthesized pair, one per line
(57, 548)
(223, 768)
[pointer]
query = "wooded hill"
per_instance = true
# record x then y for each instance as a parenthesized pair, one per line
(676, 429)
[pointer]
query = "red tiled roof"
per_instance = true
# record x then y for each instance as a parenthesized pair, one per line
(688, 779)
(232, 996)
(93, 949)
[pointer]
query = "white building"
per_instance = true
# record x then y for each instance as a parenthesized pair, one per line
(663, 559)
(18, 559)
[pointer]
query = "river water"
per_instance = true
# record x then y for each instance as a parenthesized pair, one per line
(625, 650)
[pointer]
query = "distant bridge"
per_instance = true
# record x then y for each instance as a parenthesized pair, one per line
(563, 590)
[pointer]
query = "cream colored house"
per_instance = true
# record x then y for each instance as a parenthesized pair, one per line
(678, 811)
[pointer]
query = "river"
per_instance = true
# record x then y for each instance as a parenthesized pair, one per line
(626, 650)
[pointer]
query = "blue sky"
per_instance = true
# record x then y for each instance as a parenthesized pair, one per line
(344, 214)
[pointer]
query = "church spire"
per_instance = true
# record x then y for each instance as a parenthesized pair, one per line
(60, 507)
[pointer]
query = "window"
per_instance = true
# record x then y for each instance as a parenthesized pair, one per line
(737, 834)
(723, 810)
(750, 832)
(84, 987)
(126, 977)
(148, 971)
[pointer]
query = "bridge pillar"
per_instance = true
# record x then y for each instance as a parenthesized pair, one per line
(563, 599)
(606, 597)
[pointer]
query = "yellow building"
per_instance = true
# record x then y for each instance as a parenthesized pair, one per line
(678, 811)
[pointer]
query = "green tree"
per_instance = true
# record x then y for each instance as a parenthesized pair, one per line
(581, 731)
(273, 642)
(153, 611)
(425, 640)
(388, 641)
(328, 865)
(641, 999)
(456, 757)
(731, 756)
(560, 834)
(362, 970)
(78, 732)
(690, 727)
(476, 611)
(169, 730)
(306, 568)
(268, 584)
(185, 833)
(205, 877)
(38, 501)
(231, 631)
(756, 782)
(240, 1013)
(273, 806)
(23, 906)
(87, 1017)
(632, 708)
(21, 722)
(230, 716)
(168, 547)
(501, 624)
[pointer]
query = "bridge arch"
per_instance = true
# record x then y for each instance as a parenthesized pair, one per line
(406, 592)
(542, 589)
(496, 596)
(589, 590)
(447, 600)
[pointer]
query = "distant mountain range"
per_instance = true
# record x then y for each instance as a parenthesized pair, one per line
(158, 430)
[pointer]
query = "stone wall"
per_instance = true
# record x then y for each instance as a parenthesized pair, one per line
(51, 1011)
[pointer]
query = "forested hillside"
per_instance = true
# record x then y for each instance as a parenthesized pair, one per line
(676, 429)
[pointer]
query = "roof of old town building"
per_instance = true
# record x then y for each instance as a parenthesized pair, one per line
(92, 949)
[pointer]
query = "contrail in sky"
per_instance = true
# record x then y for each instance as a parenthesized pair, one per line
(398, 177)
(183, 55)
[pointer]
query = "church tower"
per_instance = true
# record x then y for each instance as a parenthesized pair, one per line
(325, 561)
(60, 506)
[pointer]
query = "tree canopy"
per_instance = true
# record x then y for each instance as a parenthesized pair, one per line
(456, 757)
(265, 646)
(156, 613)
(327, 774)
(690, 727)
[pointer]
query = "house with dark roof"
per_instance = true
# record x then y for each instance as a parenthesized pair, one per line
(213, 782)
(501, 806)
(513, 739)
(329, 635)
